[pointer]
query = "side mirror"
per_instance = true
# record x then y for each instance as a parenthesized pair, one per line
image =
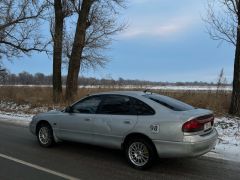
(68, 109)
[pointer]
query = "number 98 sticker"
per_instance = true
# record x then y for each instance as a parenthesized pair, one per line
(155, 128)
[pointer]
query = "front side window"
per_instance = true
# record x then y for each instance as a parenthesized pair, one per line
(116, 105)
(87, 106)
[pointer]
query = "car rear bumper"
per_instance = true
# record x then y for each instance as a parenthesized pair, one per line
(192, 146)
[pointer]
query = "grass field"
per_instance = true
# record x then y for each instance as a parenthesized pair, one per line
(33, 98)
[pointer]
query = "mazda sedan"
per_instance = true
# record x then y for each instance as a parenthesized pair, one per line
(145, 125)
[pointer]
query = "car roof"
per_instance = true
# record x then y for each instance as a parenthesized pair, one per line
(130, 93)
(142, 93)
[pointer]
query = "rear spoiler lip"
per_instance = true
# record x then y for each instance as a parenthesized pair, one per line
(191, 114)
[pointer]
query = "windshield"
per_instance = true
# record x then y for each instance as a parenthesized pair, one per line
(170, 103)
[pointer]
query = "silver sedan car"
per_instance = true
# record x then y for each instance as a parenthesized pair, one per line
(145, 125)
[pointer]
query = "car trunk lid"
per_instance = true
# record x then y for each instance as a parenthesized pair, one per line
(197, 121)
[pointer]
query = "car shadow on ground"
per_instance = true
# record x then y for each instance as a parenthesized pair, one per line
(104, 163)
(116, 159)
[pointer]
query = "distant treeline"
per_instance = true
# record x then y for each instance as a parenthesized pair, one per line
(26, 78)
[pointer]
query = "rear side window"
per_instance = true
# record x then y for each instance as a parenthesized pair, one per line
(170, 103)
(141, 108)
(116, 105)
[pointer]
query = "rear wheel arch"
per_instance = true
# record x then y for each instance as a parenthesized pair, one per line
(135, 136)
(139, 150)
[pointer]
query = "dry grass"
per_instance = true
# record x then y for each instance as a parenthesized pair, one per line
(42, 97)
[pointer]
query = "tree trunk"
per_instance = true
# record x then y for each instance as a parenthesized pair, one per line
(77, 49)
(235, 102)
(57, 51)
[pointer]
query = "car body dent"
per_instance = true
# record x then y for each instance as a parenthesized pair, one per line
(109, 130)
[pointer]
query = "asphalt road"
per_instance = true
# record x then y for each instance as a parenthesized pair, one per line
(22, 158)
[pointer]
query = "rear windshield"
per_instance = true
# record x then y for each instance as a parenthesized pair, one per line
(170, 103)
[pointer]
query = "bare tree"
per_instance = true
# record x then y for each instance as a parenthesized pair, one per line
(57, 50)
(221, 82)
(3, 77)
(3, 74)
(96, 23)
(19, 27)
(61, 11)
(224, 25)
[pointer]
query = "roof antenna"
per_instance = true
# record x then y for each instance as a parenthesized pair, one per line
(147, 90)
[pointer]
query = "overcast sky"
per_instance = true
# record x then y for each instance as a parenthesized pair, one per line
(166, 40)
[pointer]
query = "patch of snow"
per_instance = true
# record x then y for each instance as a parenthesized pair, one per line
(15, 118)
(9, 106)
(20, 114)
(228, 146)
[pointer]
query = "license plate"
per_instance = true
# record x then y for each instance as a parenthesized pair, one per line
(207, 126)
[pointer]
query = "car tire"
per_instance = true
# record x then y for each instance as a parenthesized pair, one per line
(45, 135)
(140, 153)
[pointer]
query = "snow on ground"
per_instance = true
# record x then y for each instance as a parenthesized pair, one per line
(15, 118)
(129, 87)
(18, 113)
(228, 146)
(8, 106)
(13, 106)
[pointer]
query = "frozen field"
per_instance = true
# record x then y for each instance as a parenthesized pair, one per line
(129, 87)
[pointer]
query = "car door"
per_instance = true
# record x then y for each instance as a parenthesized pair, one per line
(78, 123)
(113, 120)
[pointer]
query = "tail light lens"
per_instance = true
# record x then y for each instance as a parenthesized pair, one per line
(197, 124)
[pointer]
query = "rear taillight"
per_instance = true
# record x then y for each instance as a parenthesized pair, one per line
(192, 126)
(197, 124)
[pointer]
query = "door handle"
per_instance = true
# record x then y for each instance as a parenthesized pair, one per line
(87, 119)
(127, 122)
